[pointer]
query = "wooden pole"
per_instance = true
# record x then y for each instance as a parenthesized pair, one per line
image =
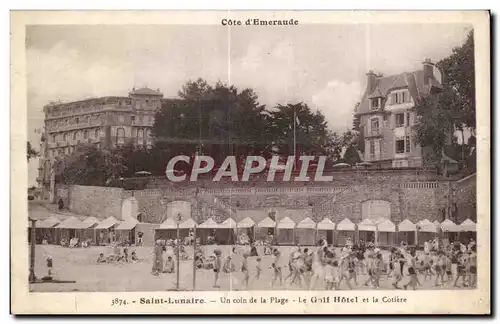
(194, 240)
(178, 250)
(32, 276)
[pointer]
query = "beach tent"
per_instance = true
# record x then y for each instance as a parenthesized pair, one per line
(167, 230)
(90, 232)
(305, 232)
(265, 230)
(367, 230)
(226, 232)
(246, 223)
(437, 223)
(104, 230)
(407, 232)
(188, 224)
(246, 230)
(125, 231)
(207, 229)
(468, 230)
(345, 229)
(386, 232)
(70, 228)
(325, 229)
(468, 226)
(449, 226)
(449, 230)
(108, 223)
(426, 231)
(45, 230)
(285, 228)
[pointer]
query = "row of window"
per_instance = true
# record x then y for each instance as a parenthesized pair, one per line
(401, 120)
(395, 98)
(402, 145)
(77, 135)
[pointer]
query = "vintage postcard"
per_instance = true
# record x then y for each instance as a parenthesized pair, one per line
(220, 162)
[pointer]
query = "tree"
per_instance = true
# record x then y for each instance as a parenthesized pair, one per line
(311, 133)
(435, 125)
(218, 120)
(31, 152)
(88, 165)
(459, 73)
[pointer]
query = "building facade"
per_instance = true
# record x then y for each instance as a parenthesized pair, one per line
(387, 116)
(107, 122)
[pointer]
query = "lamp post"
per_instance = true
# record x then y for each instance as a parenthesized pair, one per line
(32, 276)
(194, 238)
(178, 248)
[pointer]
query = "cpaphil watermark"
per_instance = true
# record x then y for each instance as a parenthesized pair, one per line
(203, 164)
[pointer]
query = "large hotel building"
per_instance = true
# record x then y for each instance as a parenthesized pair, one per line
(106, 122)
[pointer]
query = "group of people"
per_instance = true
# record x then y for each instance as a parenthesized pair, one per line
(354, 265)
(119, 254)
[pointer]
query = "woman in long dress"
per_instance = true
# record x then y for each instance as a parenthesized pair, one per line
(158, 259)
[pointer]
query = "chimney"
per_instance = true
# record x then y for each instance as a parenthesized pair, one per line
(370, 82)
(428, 68)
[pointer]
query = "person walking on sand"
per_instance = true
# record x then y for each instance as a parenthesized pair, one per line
(217, 267)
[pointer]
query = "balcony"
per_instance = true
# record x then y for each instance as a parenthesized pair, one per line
(374, 133)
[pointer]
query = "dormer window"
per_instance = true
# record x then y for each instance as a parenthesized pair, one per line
(400, 97)
(375, 103)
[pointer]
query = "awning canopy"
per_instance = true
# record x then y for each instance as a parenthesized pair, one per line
(307, 223)
(286, 223)
(209, 223)
(91, 221)
(267, 223)
(169, 223)
(367, 225)
(73, 223)
(246, 223)
(47, 223)
(449, 226)
(127, 225)
(426, 226)
(346, 225)
(326, 224)
(107, 223)
(468, 226)
(407, 226)
(385, 225)
(228, 223)
(188, 223)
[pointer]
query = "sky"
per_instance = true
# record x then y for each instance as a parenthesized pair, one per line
(324, 66)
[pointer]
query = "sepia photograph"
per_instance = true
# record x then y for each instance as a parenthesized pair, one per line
(255, 153)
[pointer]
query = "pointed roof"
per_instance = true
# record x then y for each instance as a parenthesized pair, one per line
(188, 223)
(346, 225)
(127, 225)
(286, 223)
(468, 225)
(386, 226)
(449, 226)
(47, 223)
(437, 223)
(73, 223)
(307, 223)
(367, 225)
(107, 223)
(407, 226)
(169, 223)
(326, 224)
(267, 223)
(209, 223)
(426, 226)
(247, 222)
(376, 94)
(228, 223)
(91, 220)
